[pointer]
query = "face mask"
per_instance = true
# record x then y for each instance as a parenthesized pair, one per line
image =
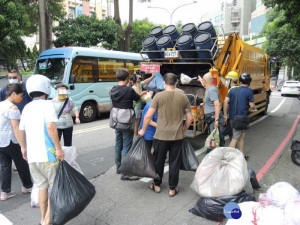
(227, 83)
(62, 97)
(13, 81)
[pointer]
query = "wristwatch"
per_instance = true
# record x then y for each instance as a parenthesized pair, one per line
(217, 120)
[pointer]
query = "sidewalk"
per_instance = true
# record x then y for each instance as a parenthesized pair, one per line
(132, 202)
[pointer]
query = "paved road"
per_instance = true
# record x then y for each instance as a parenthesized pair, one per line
(95, 144)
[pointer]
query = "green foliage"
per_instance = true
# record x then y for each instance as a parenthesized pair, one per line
(290, 9)
(281, 41)
(86, 31)
(140, 30)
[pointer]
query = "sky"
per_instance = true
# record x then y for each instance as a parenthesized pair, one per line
(187, 14)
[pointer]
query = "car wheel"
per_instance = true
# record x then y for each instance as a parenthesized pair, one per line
(88, 112)
(296, 157)
(282, 95)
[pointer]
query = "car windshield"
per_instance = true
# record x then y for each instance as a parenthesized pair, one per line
(53, 68)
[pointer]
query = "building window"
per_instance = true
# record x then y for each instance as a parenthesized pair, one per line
(71, 12)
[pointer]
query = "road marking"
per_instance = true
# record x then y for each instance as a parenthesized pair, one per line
(200, 151)
(278, 151)
(90, 129)
(280, 104)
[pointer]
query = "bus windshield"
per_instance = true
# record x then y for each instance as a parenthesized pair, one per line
(53, 68)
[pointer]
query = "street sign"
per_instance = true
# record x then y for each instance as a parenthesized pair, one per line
(150, 68)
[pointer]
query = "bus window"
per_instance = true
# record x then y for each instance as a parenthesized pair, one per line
(107, 69)
(53, 68)
(83, 69)
(132, 66)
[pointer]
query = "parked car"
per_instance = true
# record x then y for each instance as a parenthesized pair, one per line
(279, 86)
(290, 88)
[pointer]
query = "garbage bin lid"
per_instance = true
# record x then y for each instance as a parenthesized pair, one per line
(170, 29)
(202, 38)
(183, 39)
(205, 26)
(165, 39)
(148, 41)
(188, 28)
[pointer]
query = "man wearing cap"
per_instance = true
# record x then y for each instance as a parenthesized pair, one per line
(63, 108)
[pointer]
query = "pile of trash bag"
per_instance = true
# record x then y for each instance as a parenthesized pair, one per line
(222, 177)
(4, 220)
(139, 160)
(280, 205)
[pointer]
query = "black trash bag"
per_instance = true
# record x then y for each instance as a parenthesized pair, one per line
(71, 193)
(212, 208)
(189, 160)
(295, 147)
(253, 180)
(139, 161)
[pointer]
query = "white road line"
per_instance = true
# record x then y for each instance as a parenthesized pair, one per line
(280, 104)
(90, 129)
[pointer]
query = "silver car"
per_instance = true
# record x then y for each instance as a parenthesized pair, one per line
(290, 88)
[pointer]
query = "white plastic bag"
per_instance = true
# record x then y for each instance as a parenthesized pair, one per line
(34, 196)
(280, 193)
(4, 220)
(291, 211)
(247, 215)
(70, 157)
(222, 172)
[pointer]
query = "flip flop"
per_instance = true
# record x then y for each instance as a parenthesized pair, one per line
(152, 187)
(246, 157)
(176, 190)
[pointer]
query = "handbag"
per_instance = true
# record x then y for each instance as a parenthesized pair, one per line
(239, 122)
(122, 119)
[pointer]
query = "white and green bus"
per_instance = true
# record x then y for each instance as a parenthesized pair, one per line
(89, 74)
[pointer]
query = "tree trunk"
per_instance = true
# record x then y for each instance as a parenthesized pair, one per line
(129, 27)
(117, 19)
(45, 26)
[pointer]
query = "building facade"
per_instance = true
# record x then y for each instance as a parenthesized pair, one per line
(233, 16)
(258, 19)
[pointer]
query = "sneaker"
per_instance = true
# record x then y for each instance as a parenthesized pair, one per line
(26, 190)
(4, 196)
(117, 172)
(133, 178)
(124, 177)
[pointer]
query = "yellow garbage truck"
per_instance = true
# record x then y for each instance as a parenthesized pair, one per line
(228, 53)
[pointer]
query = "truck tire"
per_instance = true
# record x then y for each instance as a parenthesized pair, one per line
(296, 157)
(88, 112)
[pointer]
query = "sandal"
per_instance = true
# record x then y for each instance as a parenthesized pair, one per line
(152, 186)
(172, 194)
(246, 157)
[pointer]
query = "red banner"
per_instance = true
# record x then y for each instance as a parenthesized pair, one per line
(150, 68)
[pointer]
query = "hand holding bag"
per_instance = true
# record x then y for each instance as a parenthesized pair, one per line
(239, 122)
(122, 119)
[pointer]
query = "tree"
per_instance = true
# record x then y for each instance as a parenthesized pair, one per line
(86, 31)
(49, 11)
(290, 9)
(140, 30)
(125, 36)
(281, 43)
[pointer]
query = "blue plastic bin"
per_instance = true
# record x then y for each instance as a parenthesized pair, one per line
(164, 42)
(203, 41)
(208, 27)
(172, 32)
(189, 28)
(186, 42)
(149, 44)
(157, 32)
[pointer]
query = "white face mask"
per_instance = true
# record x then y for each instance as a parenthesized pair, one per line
(13, 81)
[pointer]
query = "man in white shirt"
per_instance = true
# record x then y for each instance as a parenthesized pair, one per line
(39, 140)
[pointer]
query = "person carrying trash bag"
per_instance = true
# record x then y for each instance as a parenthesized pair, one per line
(39, 140)
(212, 105)
(171, 106)
(237, 103)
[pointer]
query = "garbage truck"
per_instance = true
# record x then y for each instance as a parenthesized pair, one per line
(198, 51)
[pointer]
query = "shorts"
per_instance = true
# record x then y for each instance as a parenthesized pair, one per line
(137, 112)
(236, 134)
(43, 174)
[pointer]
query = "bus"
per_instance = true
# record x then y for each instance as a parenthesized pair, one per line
(89, 74)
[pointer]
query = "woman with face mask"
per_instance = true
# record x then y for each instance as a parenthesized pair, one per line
(9, 147)
(65, 121)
